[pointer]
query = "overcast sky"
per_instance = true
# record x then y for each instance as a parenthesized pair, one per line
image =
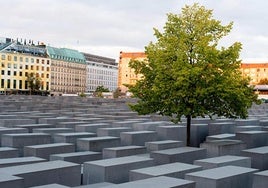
(106, 27)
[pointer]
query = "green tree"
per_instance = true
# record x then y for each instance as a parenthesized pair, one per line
(187, 75)
(34, 83)
(263, 81)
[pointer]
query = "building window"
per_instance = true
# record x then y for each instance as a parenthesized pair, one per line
(2, 72)
(8, 83)
(20, 73)
(43, 61)
(9, 65)
(20, 84)
(3, 65)
(26, 67)
(32, 60)
(26, 59)
(15, 66)
(21, 59)
(21, 66)
(37, 60)
(32, 67)
(8, 73)
(47, 62)
(3, 57)
(26, 84)
(15, 58)
(2, 83)
(14, 84)
(15, 73)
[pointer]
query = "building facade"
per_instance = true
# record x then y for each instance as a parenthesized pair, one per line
(19, 60)
(101, 71)
(126, 75)
(68, 71)
(255, 70)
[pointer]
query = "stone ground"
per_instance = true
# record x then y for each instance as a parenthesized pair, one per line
(93, 142)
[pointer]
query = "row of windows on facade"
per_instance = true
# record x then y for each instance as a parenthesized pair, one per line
(67, 58)
(101, 77)
(6, 84)
(67, 64)
(68, 89)
(24, 59)
(27, 67)
(14, 73)
(68, 71)
(106, 72)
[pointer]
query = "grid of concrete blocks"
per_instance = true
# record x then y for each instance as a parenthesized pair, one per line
(57, 142)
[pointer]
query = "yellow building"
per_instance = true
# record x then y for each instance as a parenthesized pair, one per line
(126, 75)
(20, 60)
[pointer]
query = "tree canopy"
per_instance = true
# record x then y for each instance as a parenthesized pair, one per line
(187, 74)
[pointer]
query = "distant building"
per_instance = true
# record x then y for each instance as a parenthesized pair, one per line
(68, 71)
(18, 60)
(101, 71)
(255, 70)
(126, 75)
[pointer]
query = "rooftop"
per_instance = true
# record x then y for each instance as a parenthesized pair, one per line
(66, 54)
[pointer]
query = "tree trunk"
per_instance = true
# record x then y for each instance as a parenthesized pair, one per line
(189, 117)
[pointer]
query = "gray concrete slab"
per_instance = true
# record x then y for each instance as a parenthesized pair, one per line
(223, 147)
(114, 131)
(9, 181)
(24, 139)
(97, 143)
(122, 151)
(104, 170)
(20, 161)
(259, 157)
(223, 177)
(157, 182)
(225, 160)
(61, 172)
(8, 152)
(253, 139)
(176, 170)
(260, 179)
(45, 150)
(77, 157)
(181, 154)
(163, 144)
(137, 137)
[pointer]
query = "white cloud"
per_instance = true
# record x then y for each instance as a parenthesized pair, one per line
(106, 27)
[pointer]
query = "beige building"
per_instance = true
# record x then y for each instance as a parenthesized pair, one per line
(20, 60)
(255, 70)
(126, 75)
(68, 71)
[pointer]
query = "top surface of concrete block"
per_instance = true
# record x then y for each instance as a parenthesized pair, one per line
(119, 161)
(222, 172)
(36, 167)
(156, 182)
(99, 138)
(179, 150)
(166, 168)
(259, 150)
(222, 159)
